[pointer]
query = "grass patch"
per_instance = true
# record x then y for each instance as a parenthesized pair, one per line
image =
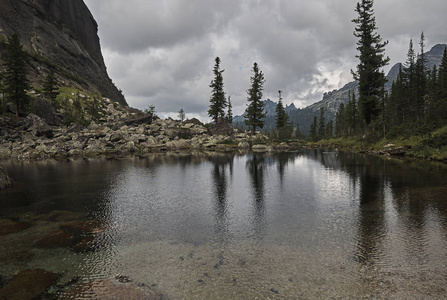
(433, 147)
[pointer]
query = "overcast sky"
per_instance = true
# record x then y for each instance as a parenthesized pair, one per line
(161, 52)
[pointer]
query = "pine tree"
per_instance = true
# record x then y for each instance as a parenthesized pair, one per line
(230, 111)
(281, 115)
(321, 125)
(181, 115)
(217, 100)
(16, 80)
(255, 111)
(339, 120)
(353, 115)
(298, 134)
(441, 86)
(329, 129)
(420, 88)
(397, 108)
(50, 89)
(314, 130)
(369, 74)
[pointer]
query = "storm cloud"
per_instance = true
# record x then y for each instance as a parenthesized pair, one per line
(161, 52)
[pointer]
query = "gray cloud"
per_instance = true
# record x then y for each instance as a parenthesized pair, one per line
(162, 52)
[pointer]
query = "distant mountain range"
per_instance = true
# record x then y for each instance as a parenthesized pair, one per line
(331, 100)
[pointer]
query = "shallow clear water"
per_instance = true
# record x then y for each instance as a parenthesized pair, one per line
(310, 224)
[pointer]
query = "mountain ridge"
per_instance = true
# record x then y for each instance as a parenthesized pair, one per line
(331, 100)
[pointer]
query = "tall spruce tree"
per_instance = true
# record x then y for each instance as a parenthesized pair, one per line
(321, 124)
(16, 74)
(230, 111)
(217, 100)
(50, 89)
(421, 79)
(314, 130)
(281, 115)
(255, 114)
(369, 73)
(441, 88)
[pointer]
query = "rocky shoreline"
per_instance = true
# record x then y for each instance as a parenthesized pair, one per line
(118, 133)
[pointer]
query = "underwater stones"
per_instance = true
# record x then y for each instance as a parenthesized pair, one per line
(8, 226)
(77, 235)
(63, 216)
(57, 239)
(28, 284)
(112, 289)
(86, 244)
(83, 227)
(5, 180)
(21, 256)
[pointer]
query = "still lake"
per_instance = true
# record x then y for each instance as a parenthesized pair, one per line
(310, 224)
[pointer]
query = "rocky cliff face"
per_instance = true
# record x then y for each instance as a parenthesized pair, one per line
(61, 35)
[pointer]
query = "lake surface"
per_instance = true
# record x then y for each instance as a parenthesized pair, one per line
(305, 225)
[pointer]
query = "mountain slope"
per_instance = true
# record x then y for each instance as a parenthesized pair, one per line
(62, 35)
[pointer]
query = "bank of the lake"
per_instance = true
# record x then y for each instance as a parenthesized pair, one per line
(432, 148)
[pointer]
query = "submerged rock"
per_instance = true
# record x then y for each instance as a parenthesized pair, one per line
(8, 226)
(110, 289)
(83, 227)
(58, 239)
(5, 180)
(77, 235)
(29, 284)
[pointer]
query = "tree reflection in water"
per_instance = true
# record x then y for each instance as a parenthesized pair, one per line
(256, 167)
(221, 163)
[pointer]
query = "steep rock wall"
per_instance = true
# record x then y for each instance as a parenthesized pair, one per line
(63, 35)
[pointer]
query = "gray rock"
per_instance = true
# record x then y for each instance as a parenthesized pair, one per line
(38, 126)
(179, 144)
(146, 119)
(47, 111)
(5, 180)
(243, 145)
(116, 137)
(259, 147)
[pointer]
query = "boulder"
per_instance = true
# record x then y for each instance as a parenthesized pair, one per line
(146, 119)
(74, 128)
(5, 180)
(193, 121)
(243, 145)
(178, 144)
(47, 111)
(222, 127)
(5, 152)
(38, 126)
(259, 147)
